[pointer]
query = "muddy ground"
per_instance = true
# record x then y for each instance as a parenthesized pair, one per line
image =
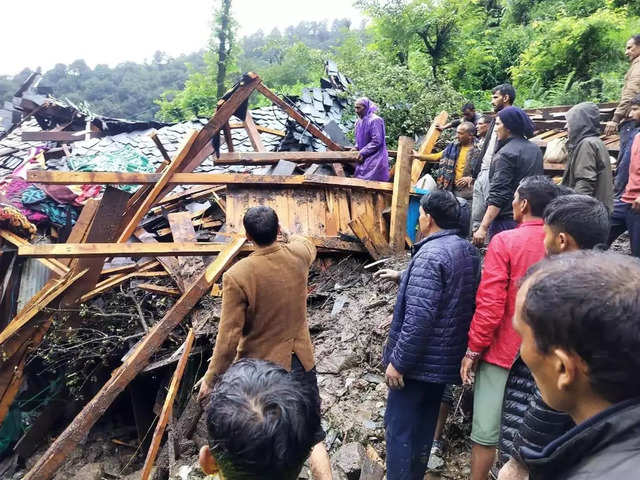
(349, 314)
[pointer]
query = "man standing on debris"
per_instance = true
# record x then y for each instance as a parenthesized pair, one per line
(493, 344)
(455, 162)
(373, 158)
(264, 313)
(515, 158)
(502, 96)
(588, 170)
(428, 331)
(630, 89)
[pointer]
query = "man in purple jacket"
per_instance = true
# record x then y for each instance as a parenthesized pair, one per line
(428, 333)
(373, 158)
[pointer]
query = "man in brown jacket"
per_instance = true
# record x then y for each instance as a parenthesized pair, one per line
(264, 313)
(631, 86)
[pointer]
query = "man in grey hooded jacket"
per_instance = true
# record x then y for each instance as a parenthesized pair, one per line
(588, 170)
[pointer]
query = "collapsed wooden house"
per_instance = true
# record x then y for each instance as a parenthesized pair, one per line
(308, 189)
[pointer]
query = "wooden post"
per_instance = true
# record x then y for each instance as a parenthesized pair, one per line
(429, 142)
(167, 407)
(400, 199)
(78, 429)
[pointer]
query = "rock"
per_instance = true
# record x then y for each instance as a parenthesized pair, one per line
(91, 471)
(347, 461)
(337, 362)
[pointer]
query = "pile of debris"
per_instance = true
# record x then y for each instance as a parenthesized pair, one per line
(128, 279)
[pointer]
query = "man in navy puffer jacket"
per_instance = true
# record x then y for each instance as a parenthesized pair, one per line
(428, 333)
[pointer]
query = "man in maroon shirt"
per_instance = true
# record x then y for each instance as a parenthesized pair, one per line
(493, 343)
(626, 208)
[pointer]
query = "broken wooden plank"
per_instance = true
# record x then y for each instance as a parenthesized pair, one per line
(400, 200)
(170, 264)
(253, 133)
(428, 143)
(55, 266)
(148, 201)
(119, 249)
(32, 309)
(83, 223)
(167, 407)
(115, 281)
(183, 232)
(163, 151)
(159, 289)
(365, 229)
(104, 228)
(64, 444)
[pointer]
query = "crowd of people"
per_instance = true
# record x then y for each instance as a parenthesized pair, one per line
(546, 330)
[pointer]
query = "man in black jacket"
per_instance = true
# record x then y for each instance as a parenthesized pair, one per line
(582, 351)
(515, 158)
(502, 96)
(572, 222)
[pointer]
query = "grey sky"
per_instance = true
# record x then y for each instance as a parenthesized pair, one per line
(45, 32)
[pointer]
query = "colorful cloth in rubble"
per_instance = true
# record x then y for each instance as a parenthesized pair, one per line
(370, 141)
(123, 160)
(58, 213)
(13, 220)
(12, 194)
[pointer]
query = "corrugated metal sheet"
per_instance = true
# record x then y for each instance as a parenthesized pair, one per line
(34, 276)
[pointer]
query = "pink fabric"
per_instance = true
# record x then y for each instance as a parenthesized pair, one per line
(509, 255)
(633, 185)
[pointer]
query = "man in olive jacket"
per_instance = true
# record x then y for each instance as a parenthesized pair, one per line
(588, 170)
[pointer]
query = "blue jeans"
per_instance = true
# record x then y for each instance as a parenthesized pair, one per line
(623, 219)
(410, 422)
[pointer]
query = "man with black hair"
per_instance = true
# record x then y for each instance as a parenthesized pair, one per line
(255, 323)
(582, 349)
(428, 332)
(626, 206)
(492, 342)
(502, 96)
(261, 423)
(575, 222)
(469, 114)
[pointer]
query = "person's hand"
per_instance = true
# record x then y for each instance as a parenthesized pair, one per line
(286, 234)
(203, 394)
(467, 369)
(611, 128)
(387, 274)
(359, 158)
(479, 236)
(464, 182)
(393, 378)
(635, 206)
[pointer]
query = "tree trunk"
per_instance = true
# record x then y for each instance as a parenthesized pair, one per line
(224, 46)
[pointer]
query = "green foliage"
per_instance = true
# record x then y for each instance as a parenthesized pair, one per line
(407, 101)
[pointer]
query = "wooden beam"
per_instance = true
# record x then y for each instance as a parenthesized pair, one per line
(83, 223)
(32, 309)
(64, 250)
(66, 442)
(202, 147)
(167, 407)
(428, 143)
(116, 280)
(400, 200)
(113, 178)
(48, 136)
(261, 129)
(161, 149)
(272, 158)
(372, 238)
(55, 266)
(148, 201)
(253, 133)
(298, 117)
(170, 264)
(182, 231)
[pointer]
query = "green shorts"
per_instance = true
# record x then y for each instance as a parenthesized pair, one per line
(488, 392)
